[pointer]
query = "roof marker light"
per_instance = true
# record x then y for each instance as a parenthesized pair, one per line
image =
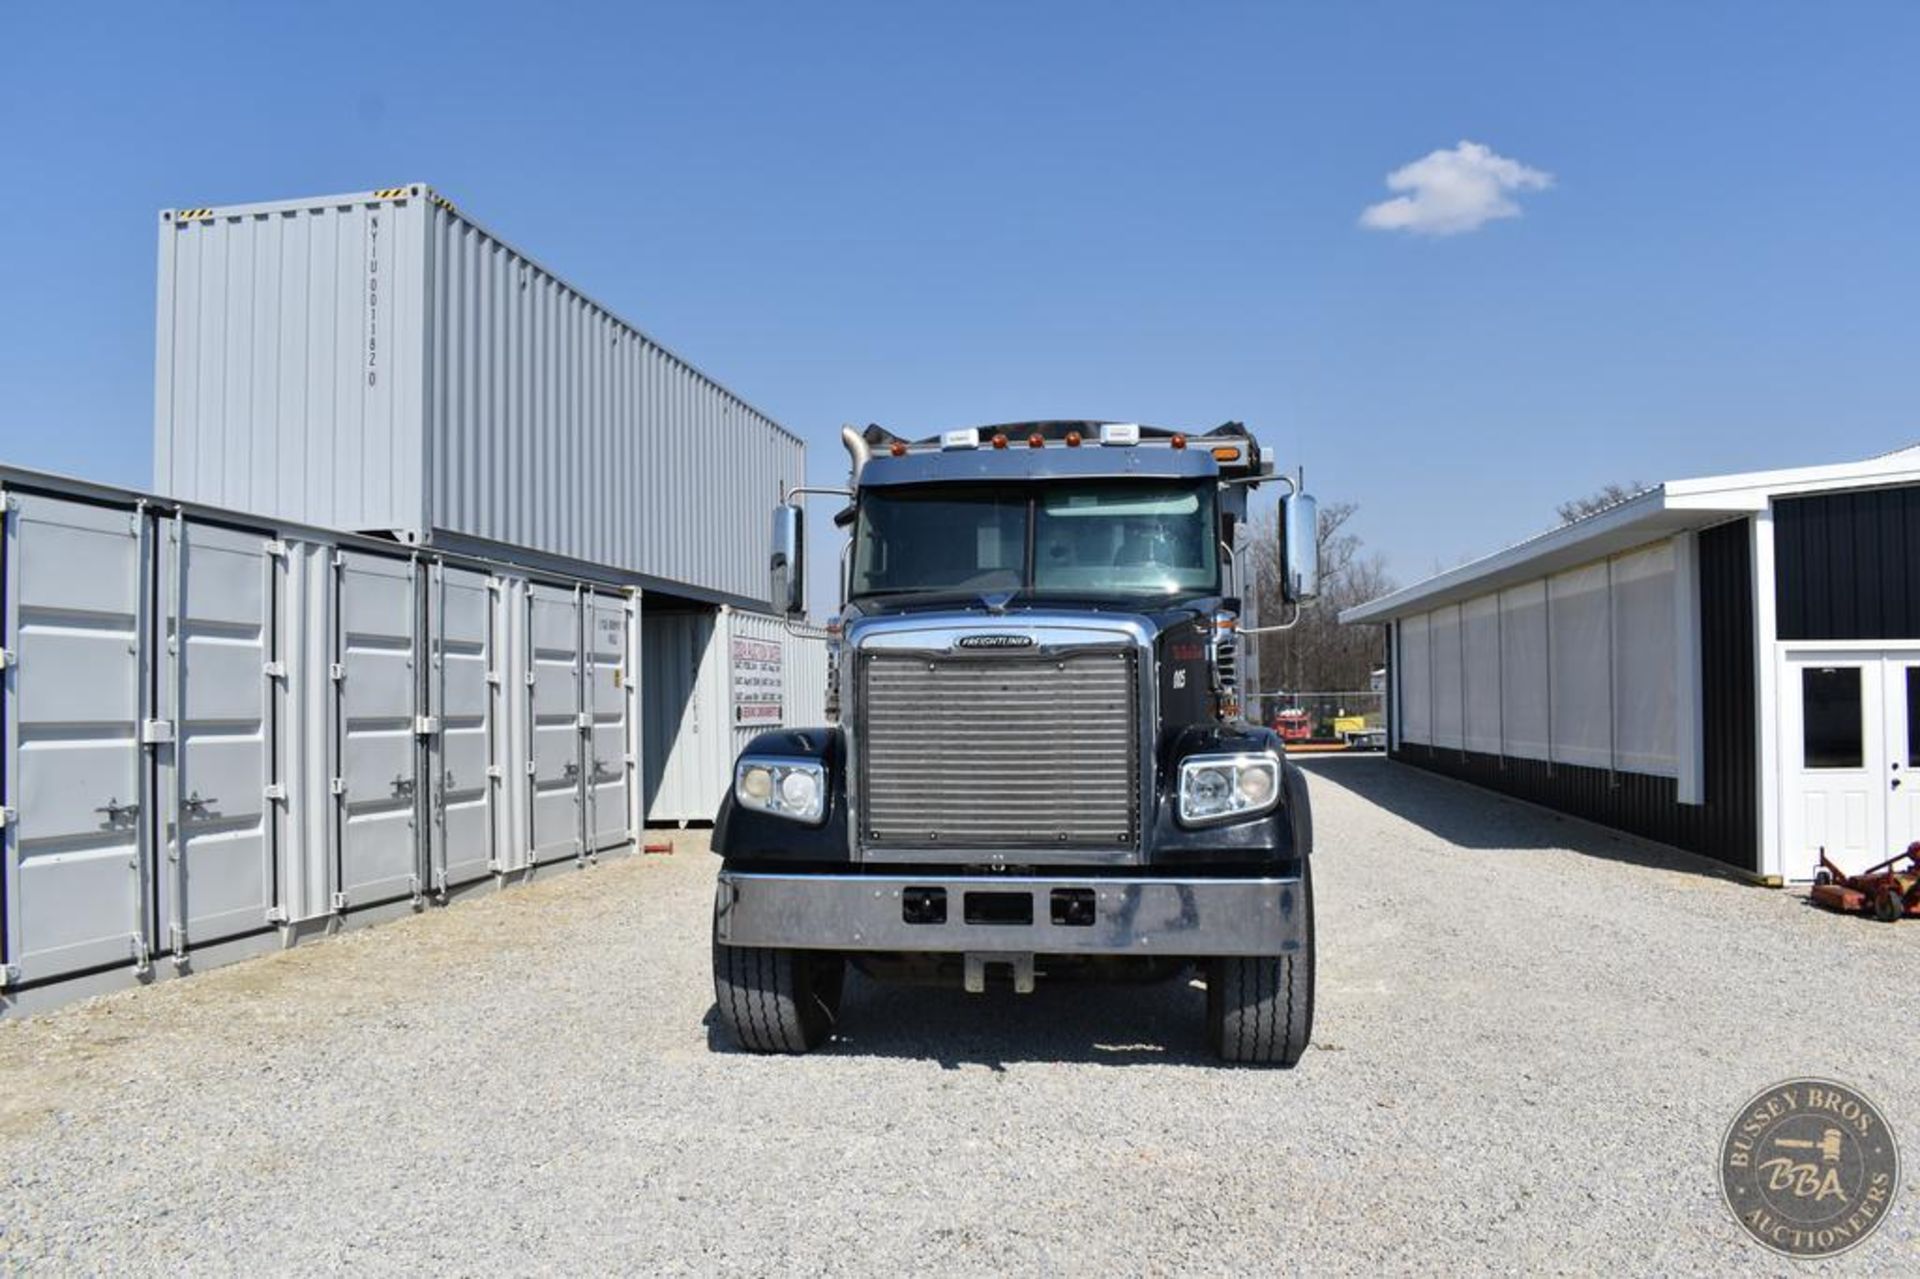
(1035, 441)
(897, 448)
(1179, 441)
(999, 441)
(1120, 433)
(967, 437)
(1073, 439)
(1226, 453)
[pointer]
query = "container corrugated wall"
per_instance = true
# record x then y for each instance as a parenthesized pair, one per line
(222, 733)
(712, 681)
(380, 362)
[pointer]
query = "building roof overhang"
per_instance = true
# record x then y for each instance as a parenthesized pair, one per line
(1677, 506)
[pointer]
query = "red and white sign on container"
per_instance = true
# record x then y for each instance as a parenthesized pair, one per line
(759, 682)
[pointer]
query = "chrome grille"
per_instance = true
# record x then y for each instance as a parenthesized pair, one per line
(999, 751)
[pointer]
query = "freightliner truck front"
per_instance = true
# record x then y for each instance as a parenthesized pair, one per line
(1039, 768)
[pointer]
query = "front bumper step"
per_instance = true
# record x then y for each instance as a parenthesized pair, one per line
(1010, 914)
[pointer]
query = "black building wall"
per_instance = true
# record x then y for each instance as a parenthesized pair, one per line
(1847, 565)
(1726, 825)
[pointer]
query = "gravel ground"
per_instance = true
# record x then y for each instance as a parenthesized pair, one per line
(1531, 1035)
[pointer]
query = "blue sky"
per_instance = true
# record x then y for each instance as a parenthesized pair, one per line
(930, 216)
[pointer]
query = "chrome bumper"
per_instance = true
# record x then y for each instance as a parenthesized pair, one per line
(1010, 914)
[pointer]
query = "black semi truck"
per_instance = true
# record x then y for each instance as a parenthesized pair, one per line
(1039, 767)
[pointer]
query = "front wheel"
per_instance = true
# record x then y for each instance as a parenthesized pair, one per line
(1260, 1007)
(777, 1001)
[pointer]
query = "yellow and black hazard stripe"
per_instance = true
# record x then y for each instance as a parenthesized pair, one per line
(389, 193)
(444, 203)
(192, 215)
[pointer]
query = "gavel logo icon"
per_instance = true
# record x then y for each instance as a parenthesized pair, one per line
(1828, 1145)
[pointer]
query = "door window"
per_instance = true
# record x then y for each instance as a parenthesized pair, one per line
(1913, 717)
(1830, 717)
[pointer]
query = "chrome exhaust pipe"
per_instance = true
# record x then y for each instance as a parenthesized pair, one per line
(857, 449)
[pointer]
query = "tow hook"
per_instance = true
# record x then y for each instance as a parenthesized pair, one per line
(1020, 964)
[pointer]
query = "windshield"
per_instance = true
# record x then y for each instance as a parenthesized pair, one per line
(1108, 537)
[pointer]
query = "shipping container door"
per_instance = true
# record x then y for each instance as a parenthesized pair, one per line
(216, 593)
(375, 700)
(609, 683)
(553, 698)
(71, 777)
(462, 748)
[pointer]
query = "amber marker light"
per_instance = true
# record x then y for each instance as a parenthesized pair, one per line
(999, 441)
(1073, 439)
(1179, 441)
(1226, 455)
(897, 449)
(1035, 442)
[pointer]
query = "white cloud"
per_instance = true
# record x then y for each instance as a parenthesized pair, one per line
(1447, 192)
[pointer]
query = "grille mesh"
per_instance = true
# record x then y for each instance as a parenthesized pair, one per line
(1000, 751)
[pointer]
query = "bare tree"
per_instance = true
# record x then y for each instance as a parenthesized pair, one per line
(1318, 653)
(1593, 503)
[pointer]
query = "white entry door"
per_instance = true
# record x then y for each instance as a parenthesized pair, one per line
(1900, 681)
(1850, 758)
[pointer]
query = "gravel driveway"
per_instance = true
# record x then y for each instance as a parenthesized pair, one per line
(1531, 1035)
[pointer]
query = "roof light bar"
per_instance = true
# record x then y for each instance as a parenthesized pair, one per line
(965, 438)
(1121, 433)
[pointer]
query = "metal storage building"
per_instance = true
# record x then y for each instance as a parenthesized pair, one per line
(1728, 664)
(380, 362)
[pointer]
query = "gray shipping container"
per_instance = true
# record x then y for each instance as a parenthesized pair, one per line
(218, 734)
(712, 682)
(379, 362)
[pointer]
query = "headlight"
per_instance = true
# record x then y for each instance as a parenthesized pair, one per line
(1220, 787)
(791, 788)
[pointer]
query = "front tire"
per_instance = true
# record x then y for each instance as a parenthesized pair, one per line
(1260, 1007)
(777, 1001)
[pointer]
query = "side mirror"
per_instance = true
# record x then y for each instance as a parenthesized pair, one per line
(1300, 518)
(787, 567)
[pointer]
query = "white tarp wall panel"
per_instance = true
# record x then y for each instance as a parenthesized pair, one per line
(1524, 708)
(1644, 669)
(218, 878)
(1580, 676)
(1449, 708)
(1480, 641)
(1416, 681)
(76, 842)
(1580, 668)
